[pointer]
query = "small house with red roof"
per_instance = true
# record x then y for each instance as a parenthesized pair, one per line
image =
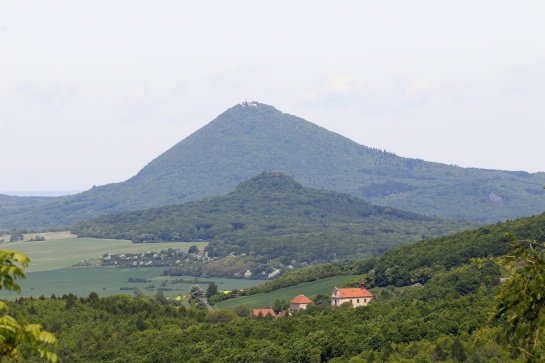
(356, 296)
(300, 302)
(263, 312)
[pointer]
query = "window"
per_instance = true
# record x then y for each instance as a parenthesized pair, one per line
(358, 301)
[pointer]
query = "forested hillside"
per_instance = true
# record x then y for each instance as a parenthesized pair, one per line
(444, 318)
(421, 261)
(271, 217)
(250, 138)
(435, 323)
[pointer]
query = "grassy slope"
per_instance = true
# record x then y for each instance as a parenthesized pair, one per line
(324, 286)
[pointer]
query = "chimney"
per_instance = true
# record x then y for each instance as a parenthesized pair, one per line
(362, 284)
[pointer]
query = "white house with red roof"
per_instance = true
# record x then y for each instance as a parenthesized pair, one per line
(300, 302)
(356, 296)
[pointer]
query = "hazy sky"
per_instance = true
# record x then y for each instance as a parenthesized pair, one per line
(91, 91)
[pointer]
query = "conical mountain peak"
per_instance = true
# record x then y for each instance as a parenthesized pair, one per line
(250, 138)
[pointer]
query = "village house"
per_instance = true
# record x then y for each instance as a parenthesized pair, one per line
(300, 302)
(266, 312)
(263, 312)
(356, 296)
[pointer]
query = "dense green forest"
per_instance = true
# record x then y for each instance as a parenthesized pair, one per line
(419, 262)
(271, 219)
(431, 305)
(435, 323)
(246, 140)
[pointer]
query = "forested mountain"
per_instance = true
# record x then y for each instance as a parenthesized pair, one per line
(272, 217)
(251, 137)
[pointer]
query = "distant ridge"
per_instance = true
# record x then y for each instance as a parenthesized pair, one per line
(43, 193)
(252, 137)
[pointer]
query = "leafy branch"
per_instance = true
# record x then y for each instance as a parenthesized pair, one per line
(15, 334)
(520, 301)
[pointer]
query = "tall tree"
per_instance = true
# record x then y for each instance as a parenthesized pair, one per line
(195, 292)
(212, 289)
(458, 352)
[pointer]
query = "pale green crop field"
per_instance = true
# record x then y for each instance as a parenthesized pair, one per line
(54, 254)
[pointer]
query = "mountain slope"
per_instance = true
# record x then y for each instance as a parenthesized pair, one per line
(419, 261)
(250, 138)
(441, 260)
(273, 217)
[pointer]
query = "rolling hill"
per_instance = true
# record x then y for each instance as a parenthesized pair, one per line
(251, 137)
(271, 217)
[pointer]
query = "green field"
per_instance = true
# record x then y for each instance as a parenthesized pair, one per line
(55, 254)
(107, 281)
(309, 289)
(50, 270)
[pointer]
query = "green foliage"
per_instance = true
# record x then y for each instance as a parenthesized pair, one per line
(242, 310)
(195, 292)
(10, 270)
(193, 249)
(142, 330)
(244, 141)
(417, 262)
(521, 298)
(221, 316)
(19, 335)
(458, 352)
(211, 290)
(160, 297)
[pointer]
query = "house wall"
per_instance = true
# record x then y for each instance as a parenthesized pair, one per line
(359, 301)
(298, 306)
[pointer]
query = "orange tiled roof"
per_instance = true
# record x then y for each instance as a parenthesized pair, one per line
(350, 293)
(264, 312)
(282, 313)
(301, 299)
